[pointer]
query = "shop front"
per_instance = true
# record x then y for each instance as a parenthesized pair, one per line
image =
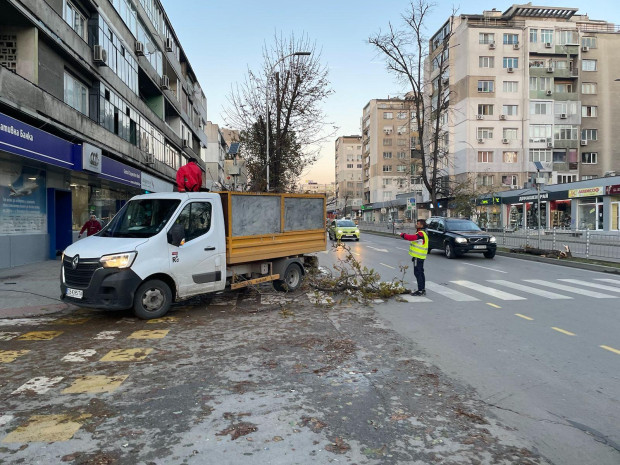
(589, 206)
(613, 192)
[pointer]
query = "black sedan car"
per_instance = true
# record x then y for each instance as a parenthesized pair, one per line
(456, 236)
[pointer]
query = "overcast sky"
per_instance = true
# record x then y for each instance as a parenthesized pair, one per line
(223, 38)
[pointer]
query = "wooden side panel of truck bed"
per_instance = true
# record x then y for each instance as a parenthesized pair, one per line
(266, 226)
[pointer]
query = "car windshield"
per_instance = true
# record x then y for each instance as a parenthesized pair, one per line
(345, 224)
(461, 225)
(141, 218)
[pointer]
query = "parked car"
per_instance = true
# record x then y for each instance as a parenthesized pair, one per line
(396, 224)
(343, 229)
(456, 236)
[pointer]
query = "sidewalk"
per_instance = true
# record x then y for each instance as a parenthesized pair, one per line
(31, 290)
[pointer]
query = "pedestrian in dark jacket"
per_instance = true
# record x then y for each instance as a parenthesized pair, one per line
(92, 226)
(418, 249)
(189, 177)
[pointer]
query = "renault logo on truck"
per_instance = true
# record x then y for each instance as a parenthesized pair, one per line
(75, 261)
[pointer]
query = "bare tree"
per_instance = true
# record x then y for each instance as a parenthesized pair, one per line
(411, 57)
(284, 98)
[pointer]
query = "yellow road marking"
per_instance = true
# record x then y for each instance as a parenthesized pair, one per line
(611, 349)
(164, 319)
(39, 335)
(8, 356)
(126, 355)
(563, 331)
(149, 334)
(95, 384)
(523, 316)
(493, 305)
(47, 428)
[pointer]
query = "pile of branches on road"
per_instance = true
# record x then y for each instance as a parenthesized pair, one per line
(566, 253)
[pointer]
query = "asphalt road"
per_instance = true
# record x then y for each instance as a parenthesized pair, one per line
(540, 343)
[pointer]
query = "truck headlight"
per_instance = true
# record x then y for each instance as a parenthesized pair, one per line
(460, 240)
(492, 239)
(118, 260)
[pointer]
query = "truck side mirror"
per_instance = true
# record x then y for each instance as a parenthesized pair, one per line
(176, 234)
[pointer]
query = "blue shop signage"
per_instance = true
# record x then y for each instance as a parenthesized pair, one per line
(119, 172)
(25, 140)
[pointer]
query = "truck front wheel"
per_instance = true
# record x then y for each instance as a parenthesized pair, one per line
(292, 279)
(152, 300)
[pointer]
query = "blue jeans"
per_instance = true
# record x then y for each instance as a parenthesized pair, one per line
(418, 272)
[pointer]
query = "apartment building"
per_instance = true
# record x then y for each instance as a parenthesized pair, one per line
(313, 187)
(389, 136)
(530, 84)
(213, 156)
(98, 102)
(349, 184)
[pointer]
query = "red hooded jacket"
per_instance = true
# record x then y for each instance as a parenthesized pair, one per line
(189, 178)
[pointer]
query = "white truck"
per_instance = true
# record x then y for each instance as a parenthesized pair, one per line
(166, 247)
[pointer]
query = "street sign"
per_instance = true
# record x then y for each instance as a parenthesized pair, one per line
(410, 203)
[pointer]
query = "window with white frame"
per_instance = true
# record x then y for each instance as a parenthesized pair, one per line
(588, 42)
(588, 65)
(540, 83)
(540, 108)
(387, 154)
(510, 110)
(533, 36)
(541, 155)
(566, 178)
(485, 180)
(75, 19)
(486, 86)
(540, 132)
(485, 156)
(401, 168)
(401, 155)
(589, 111)
(546, 36)
(510, 133)
(401, 142)
(568, 37)
(589, 88)
(401, 115)
(359, 165)
(563, 87)
(388, 115)
(589, 158)
(387, 142)
(511, 86)
(349, 165)
(75, 94)
(510, 62)
(486, 62)
(387, 168)
(485, 133)
(510, 180)
(486, 38)
(565, 132)
(586, 178)
(510, 157)
(511, 38)
(485, 109)
(589, 134)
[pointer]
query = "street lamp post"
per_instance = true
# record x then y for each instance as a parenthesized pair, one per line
(267, 101)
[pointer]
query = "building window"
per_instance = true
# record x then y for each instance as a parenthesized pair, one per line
(486, 86)
(533, 36)
(589, 158)
(564, 178)
(75, 19)
(485, 133)
(387, 154)
(510, 157)
(349, 165)
(541, 155)
(511, 110)
(592, 176)
(387, 141)
(76, 94)
(510, 180)
(510, 133)
(401, 142)
(565, 108)
(511, 62)
(540, 132)
(567, 37)
(486, 38)
(401, 155)
(588, 65)
(588, 88)
(401, 168)
(511, 39)
(401, 115)
(388, 115)
(8, 51)
(359, 165)
(387, 168)
(511, 86)
(588, 42)
(540, 83)
(588, 111)
(563, 87)
(589, 134)
(485, 180)
(546, 36)
(485, 109)
(486, 62)
(565, 132)
(485, 156)
(540, 108)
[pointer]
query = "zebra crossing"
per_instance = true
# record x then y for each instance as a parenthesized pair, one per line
(469, 291)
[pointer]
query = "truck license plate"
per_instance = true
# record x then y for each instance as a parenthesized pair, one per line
(75, 293)
(480, 246)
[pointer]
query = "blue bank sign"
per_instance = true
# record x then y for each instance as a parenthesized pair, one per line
(25, 140)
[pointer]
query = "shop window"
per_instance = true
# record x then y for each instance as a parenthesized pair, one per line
(590, 214)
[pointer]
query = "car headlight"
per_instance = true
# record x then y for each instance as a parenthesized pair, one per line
(492, 239)
(118, 260)
(340, 231)
(357, 231)
(460, 240)
(62, 257)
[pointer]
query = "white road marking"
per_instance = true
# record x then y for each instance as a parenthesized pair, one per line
(595, 285)
(39, 385)
(25, 321)
(488, 290)
(400, 248)
(79, 356)
(5, 419)
(106, 335)
(613, 281)
(5, 336)
(388, 266)
(529, 289)
(574, 290)
(449, 293)
(378, 250)
(485, 267)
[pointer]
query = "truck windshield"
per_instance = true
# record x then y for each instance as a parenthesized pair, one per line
(141, 218)
(461, 225)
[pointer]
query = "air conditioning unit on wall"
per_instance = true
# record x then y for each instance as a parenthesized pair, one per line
(492, 45)
(164, 82)
(139, 48)
(479, 116)
(585, 48)
(547, 44)
(502, 117)
(100, 56)
(548, 93)
(584, 141)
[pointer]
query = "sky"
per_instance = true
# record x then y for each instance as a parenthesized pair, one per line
(224, 38)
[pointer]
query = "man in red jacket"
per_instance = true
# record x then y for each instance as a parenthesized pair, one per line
(92, 226)
(189, 177)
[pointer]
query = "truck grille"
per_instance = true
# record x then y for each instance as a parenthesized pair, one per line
(82, 274)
